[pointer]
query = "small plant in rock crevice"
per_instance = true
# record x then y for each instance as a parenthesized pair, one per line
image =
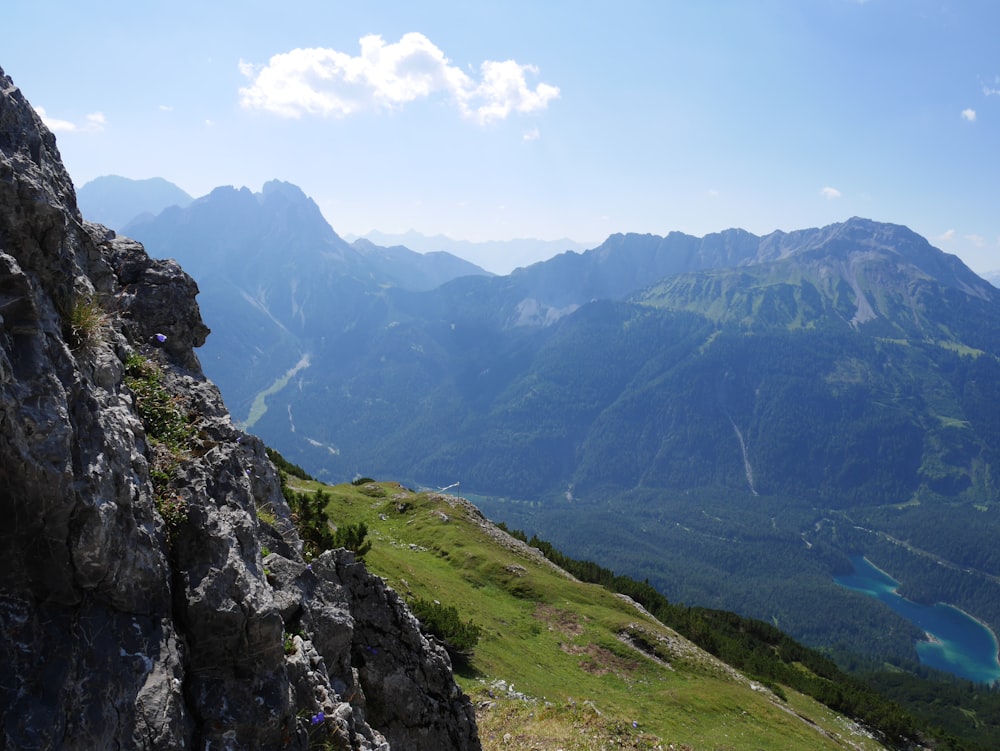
(170, 430)
(267, 516)
(162, 413)
(173, 509)
(319, 727)
(87, 324)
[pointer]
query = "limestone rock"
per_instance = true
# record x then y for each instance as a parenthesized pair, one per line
(135, 608)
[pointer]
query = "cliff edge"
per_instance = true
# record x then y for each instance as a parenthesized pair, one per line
(136, 610)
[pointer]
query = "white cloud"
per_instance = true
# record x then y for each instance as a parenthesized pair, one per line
(330, 83)
(830, 193)
(969, 114)
(53, 124)
(531, 135)
(972, 240)
(92, 123)
(502, 90)
(992, 88)
(166, 108)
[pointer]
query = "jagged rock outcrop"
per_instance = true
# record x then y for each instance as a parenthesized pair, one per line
(135, 608)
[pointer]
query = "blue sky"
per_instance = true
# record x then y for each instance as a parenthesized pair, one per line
(496, 119)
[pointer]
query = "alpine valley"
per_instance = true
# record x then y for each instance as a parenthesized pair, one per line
(729, 418)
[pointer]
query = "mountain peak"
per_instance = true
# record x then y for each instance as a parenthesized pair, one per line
(282, 188)
(857, 272)
(872, 231)
(240, 227)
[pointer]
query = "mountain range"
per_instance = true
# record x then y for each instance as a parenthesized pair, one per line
(729, 417)
(498, 256)
(160, 591)
(169, 586)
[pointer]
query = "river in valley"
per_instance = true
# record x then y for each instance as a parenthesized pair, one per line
(958, 643)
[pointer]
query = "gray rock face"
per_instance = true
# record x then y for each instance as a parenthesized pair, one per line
(135, 608)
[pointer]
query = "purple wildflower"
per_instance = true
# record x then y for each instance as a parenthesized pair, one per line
(161, 338)
(317, 718)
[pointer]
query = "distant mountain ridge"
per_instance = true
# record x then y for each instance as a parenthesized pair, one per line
(658, 271)
(498, 256)
(418, 271)
(271, 261)
(114, 201)
(271, 267)
(607, 399)
(860, 271)
(242, 229)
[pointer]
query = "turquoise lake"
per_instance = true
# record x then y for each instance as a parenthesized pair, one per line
(960, 644)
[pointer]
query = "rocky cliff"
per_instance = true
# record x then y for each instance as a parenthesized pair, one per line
(136, 609)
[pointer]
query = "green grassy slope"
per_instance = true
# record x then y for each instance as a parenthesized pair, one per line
(601, 670)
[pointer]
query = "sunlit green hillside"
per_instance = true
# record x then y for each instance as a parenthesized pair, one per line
(598, 671)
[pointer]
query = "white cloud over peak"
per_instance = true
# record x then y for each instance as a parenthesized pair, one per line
(969, 114)
(830, 193)
(946, 236)
(330, 83)
(92, 123)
